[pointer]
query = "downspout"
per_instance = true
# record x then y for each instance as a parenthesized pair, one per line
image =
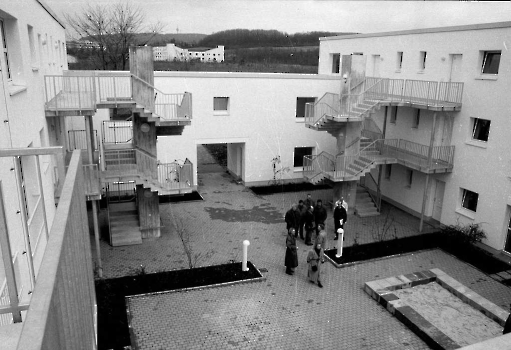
(380, 167)
(430, 154)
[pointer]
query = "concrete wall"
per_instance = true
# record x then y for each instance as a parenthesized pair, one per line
(481, 167)
(261, 115)
(36, 47)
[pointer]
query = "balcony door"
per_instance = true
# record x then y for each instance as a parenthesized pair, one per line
(455, 72)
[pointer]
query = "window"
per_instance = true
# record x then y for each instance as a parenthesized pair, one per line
(221, 104)
(388, 171)
(491, 61)
(300, 105)
(422, 63)
(399, 62)
(416, 119)
(393, 114)
(409, 177)
(469, 200)
(300, 152)
(336, 62)
(5, 64)
(481, 129)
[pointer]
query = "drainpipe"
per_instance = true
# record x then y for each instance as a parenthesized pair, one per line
(380, 167)
(430, 155)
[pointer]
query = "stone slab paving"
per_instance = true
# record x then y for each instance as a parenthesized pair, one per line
(283, 312)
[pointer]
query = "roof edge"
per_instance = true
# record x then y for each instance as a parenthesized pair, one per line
(479, 26)
(51, 13)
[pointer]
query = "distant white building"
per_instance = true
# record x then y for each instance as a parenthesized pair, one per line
(171, 52)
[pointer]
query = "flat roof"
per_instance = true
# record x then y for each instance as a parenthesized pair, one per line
(480, 26)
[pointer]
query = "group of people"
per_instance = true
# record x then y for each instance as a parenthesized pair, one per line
(311, 217)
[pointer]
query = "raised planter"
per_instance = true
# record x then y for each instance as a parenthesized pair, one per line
(111, 293)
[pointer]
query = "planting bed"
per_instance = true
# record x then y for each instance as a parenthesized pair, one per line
(439, 309)
(111, 293)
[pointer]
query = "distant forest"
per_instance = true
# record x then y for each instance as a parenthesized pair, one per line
(245, 38)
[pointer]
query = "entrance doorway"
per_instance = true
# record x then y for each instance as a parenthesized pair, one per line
(219, 157)
(507, 245)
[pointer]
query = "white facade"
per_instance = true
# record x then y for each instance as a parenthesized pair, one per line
(33, 46)
(171, 52)
(481, 164)
(256, 115)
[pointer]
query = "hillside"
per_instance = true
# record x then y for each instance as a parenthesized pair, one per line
(191, 39)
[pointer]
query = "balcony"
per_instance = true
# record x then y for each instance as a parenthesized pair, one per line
(426, 159)
(81, 93)
(60, 313)
(133, 164)
(332, 109)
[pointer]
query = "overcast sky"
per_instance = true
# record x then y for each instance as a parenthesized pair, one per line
(291, 16)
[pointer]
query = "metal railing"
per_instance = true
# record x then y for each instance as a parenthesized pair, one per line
(78, 140)
(62, 305)
(315, 165)
(364, 96)
(117, 132)
(83, 90)
(136, 162)
(422, 156)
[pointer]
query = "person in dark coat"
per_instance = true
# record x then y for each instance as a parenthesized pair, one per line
(291, 259)
(291, 218)
(340, 218)
(308, 222)
(319, 214)
(308, 201)
(314, 259)
(298, 219)
(302, 209)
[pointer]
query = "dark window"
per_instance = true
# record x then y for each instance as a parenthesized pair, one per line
(423, 57)
(399, 59)
(336, 62)
(469, 200)
(388, 171)
(481, 129)
(300, 152)
(491, 61)
(4, 49)
(300, 105)
(220, 103)
(393, 115)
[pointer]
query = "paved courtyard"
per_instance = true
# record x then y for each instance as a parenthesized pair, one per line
(283, 312)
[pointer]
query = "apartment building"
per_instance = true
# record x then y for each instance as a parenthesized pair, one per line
(432, 111)
(171, 52)
(44, 237)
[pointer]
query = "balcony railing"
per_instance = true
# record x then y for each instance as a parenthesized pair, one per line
(61, 310)
(78, 140)
(138, 163)
(84, 91)
(428, 94)
(117, 132)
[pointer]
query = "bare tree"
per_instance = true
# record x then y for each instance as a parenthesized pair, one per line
(111, 30)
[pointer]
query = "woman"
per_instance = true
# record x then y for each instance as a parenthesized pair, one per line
(291, 260)
(314, 259)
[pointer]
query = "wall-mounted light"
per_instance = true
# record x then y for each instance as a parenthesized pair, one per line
(145, 127)
(345, 78)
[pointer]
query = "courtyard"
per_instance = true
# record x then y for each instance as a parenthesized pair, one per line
(282, 312)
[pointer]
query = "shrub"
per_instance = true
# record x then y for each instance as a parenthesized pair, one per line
(463, 234)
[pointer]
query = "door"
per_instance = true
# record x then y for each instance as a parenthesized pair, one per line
(507, 246)
(455, 71)
(438, 200)
(376, 66)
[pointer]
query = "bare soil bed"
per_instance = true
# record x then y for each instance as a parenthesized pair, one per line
(456, 319)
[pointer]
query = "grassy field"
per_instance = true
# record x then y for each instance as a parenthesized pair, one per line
(235, 67)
